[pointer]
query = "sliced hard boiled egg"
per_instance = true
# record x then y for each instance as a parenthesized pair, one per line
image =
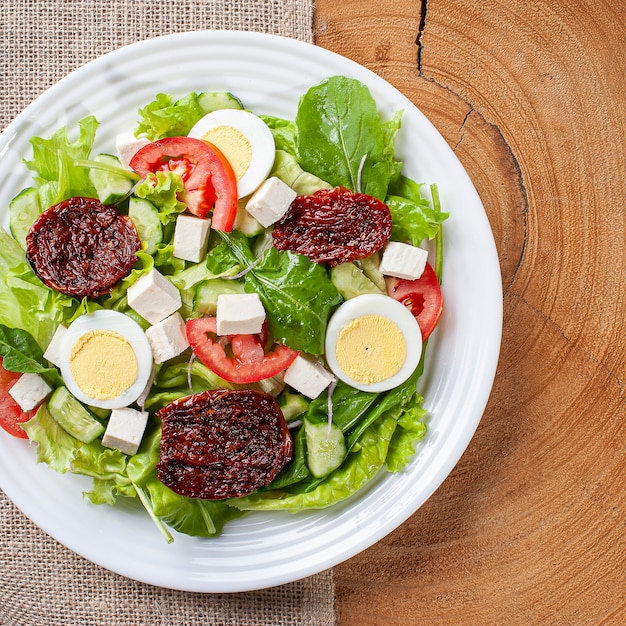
(373, 343)
(246, 142)
(105, 359)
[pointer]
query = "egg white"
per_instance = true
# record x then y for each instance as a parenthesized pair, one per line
(258, 135)
(114, 321)
(385, 306)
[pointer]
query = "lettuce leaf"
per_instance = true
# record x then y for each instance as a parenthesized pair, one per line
(414, 217)
(166, 117)
(57, 178)
(25, 302)
(361, 465)
(342, 139)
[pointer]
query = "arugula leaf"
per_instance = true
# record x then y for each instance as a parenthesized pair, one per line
(342, 139)
(297, 293)
(298, 297)
(20, 352)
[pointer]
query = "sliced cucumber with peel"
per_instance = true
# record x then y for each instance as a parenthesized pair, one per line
(326, 448)
(73, 417)
(215, 100)
(110, 186)
(145, 217)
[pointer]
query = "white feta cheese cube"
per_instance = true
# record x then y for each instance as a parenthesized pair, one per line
(154, 297)
(191, 237)
(308, 376)
(167, 338)
(403, 260)
(239, 314)
(270, 201)
(53, 351)
(125, 430)
(29, 391)
(127, 145)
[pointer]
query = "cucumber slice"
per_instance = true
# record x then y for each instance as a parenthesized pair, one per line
(73, 417)
(24, 209)
(215, 100)
(145, 217)
(326, 448)
(292, 405)
(207, 292)
(246, 224)
(351, 281)
(111, 188)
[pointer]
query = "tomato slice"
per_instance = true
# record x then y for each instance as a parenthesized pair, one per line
(11, 414)
(209, 180)
(249, 363)
(421, 296)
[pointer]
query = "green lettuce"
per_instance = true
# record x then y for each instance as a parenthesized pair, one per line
(342, 139)
(56, 176)
(166, 117)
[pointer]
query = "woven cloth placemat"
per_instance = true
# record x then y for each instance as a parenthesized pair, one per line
(42, 583)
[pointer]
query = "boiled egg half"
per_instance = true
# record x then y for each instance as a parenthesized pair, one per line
(105, 359)
(244, 139)
(373, 343)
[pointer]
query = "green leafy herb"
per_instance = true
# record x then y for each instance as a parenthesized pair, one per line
(342, 139)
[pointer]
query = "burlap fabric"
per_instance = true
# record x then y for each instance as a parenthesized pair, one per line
(41, 582)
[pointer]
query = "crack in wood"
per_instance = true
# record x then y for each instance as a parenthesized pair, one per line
(421, 73)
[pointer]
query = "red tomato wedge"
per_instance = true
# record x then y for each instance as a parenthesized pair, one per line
(209, 180)
(249, 363)
(421, 296)
(11, 414)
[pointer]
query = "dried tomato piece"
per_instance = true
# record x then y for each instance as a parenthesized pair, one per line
(82, 247)
(222, 444)
(334, 226)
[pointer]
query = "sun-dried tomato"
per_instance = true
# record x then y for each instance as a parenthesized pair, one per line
(222, 444)
(334, 226)
(82, 247)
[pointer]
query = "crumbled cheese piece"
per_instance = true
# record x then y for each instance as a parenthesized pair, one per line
(270, 201)
(191, 237)
(308, 376)
(167, 338)
(239, 314)
(154, 297)
(403, 260)
(29, 391)
(127, 145)
(53, 351)
(125, 430)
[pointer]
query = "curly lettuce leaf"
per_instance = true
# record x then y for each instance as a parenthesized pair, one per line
(57, 178)
(25, 302)
(166, 117)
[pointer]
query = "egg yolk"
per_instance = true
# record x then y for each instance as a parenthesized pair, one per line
(103, 364)
(234, 145)
(370, 349)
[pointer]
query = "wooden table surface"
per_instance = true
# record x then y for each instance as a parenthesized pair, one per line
(530, 527)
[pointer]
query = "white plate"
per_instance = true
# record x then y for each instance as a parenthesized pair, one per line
(269, 74)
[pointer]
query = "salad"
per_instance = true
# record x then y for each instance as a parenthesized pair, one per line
(209, 233)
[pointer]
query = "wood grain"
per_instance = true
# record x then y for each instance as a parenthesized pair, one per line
(530, 526)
